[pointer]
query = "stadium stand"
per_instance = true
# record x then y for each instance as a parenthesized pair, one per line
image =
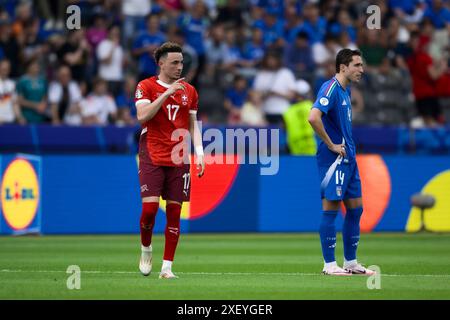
(223, 39)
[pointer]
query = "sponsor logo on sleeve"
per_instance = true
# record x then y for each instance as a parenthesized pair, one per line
(139, 94)
(324, 101)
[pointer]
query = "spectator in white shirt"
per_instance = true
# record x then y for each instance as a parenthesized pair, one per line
(276, 84)
(98, 108)
(326, 50)
(134, 13)
(9, 108)
(111, 57)
(64, 96)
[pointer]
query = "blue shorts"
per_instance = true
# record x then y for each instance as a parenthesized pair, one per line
(340, 181)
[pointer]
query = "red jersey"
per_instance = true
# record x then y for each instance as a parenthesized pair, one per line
(174, 114)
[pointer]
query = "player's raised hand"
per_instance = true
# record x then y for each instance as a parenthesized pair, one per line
(200, 166)
(339, 149)
(177, 85)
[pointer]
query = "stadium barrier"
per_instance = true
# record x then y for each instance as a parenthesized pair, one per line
(44, 139)
(87, 194)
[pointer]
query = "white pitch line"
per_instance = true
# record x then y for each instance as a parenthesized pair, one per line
(222, 273)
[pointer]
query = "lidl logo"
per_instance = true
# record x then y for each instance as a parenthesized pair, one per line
(19, 194)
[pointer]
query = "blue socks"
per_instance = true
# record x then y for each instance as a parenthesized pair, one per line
(328, 235)
(350, 233)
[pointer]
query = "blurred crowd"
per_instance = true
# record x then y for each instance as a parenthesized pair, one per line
(250, 60)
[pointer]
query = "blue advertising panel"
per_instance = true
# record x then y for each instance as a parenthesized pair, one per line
(79, 194)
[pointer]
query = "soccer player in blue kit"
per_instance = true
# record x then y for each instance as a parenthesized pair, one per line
(331, 119)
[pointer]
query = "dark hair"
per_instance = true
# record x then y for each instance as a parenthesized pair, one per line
(30, 63)
(329, 37)
(345, 56)
(179, 33)
(238, 77)
(165, 48)
(63, 65)
(112, 26)
(414, 34)
(98, 81)
(30, 22)
(271, 53)
(303, 35)
(151, 15)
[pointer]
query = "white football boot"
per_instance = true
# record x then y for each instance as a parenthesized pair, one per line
(335, 271)
(167, 274)
(357, 268)
(145, 264)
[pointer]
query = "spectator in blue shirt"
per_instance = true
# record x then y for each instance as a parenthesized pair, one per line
(275, 6)
(292, 18)
(343, 24)
(145, 44)
(404, 6)
(126, 113)
(408, 11)
(235, 98)
(439, 14)
(254, 49)
(195, 25)
(299, 58)
(272, 28)
(233, 56)
(314, 24)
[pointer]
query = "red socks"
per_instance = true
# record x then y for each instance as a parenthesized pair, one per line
(172, 233)
(149, 210)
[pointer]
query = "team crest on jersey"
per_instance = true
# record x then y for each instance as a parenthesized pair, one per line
(184, 99)
(139, 94)
(324, 101)
(339, 191)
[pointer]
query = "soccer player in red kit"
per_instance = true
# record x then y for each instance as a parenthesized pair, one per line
(166, 107)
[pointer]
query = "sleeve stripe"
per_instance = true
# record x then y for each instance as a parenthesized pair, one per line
(329, 85)
(142, 101)
(330, 90)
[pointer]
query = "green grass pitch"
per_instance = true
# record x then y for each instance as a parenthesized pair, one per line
(223, 266)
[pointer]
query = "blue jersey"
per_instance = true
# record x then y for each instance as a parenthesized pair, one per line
(147, 63)
(335, 103)
(194, 31)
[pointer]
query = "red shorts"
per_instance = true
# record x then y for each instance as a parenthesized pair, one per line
(172, 183)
